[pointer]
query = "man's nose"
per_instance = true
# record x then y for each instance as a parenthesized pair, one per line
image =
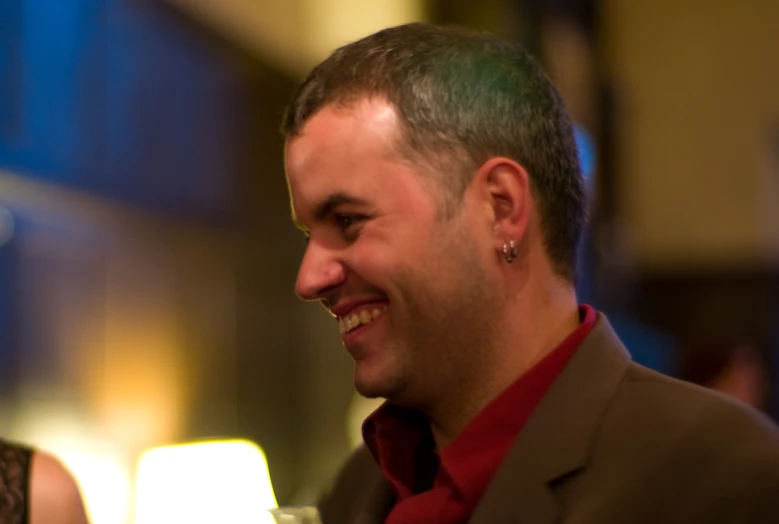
(320, 270)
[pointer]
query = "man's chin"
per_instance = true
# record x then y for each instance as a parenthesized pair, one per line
(375, 385)
(392, 391)
(370, 390)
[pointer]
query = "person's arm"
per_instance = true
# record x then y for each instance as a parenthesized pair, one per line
(54, 497)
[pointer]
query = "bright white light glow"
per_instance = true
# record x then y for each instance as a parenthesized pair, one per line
(221, 481)
(104, 483)
(266, 518)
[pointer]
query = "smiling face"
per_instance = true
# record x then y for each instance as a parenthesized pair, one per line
(411, 291)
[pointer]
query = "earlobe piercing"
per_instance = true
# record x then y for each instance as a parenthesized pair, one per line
(510, 251)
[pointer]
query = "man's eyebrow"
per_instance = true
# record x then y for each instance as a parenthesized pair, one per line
(333, 201)
(323, 209)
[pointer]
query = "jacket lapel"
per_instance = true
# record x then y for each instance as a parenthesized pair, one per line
(556, 439)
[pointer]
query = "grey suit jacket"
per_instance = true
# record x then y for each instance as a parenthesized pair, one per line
(611, 442)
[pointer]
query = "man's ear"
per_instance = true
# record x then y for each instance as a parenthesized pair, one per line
(505, 188)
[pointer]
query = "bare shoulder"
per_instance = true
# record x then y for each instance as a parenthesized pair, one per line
(54, 494)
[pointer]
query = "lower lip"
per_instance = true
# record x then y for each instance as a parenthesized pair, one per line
(357, 333)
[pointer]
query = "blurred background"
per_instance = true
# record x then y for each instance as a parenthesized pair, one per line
(147, 258)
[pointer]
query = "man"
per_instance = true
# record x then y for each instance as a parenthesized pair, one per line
(435, 175)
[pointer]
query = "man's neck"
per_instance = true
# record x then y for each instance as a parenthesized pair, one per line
(532, 330)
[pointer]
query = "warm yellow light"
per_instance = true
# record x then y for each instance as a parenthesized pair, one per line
(222, 481)
(333, 23)
(105, 485)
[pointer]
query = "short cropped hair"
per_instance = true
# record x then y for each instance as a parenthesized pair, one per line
(462, 98)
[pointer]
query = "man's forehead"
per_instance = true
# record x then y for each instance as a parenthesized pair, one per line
(344, 155)
(338, 140)
(371, 119)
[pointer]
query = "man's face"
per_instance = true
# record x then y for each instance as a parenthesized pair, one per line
(408, 288)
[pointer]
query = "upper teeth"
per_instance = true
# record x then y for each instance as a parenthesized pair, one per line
(350, 322)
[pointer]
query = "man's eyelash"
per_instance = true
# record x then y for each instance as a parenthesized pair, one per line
(346, 221)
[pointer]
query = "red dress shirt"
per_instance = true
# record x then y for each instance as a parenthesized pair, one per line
(446, 488)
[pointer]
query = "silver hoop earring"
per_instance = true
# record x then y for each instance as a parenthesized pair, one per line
(510, 251)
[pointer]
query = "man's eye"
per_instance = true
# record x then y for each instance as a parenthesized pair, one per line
(345, 222)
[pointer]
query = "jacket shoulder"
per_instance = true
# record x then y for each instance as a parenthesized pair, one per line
(682, 410)
(710, 457)
(669, 451)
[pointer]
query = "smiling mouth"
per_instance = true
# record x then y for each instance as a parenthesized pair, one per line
(355, 320)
